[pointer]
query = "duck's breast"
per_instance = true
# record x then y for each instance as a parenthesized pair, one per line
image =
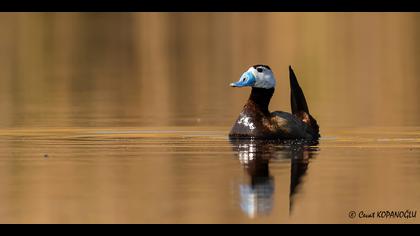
(247, 125)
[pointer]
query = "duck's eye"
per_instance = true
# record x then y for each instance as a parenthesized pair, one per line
(259, 69)
(243, 79)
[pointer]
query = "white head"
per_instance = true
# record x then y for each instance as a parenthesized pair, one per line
(258, 76)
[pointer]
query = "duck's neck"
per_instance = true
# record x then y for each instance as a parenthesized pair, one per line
(259, 99)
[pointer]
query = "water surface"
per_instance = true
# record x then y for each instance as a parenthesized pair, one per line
(195, 175)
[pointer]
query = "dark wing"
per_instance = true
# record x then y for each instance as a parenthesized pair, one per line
(297, 98)
(299, 105)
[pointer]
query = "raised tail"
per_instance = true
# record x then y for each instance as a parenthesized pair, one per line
(299, 105)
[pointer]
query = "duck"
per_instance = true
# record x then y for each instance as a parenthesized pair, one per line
(257, 122)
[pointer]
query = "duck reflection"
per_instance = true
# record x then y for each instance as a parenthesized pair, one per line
(256, 197)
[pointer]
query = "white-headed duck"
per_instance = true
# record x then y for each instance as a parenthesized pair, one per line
(255, 120)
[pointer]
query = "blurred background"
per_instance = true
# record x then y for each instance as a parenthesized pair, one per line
(173, 69)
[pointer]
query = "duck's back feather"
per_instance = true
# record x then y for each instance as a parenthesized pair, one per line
(289, 126)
